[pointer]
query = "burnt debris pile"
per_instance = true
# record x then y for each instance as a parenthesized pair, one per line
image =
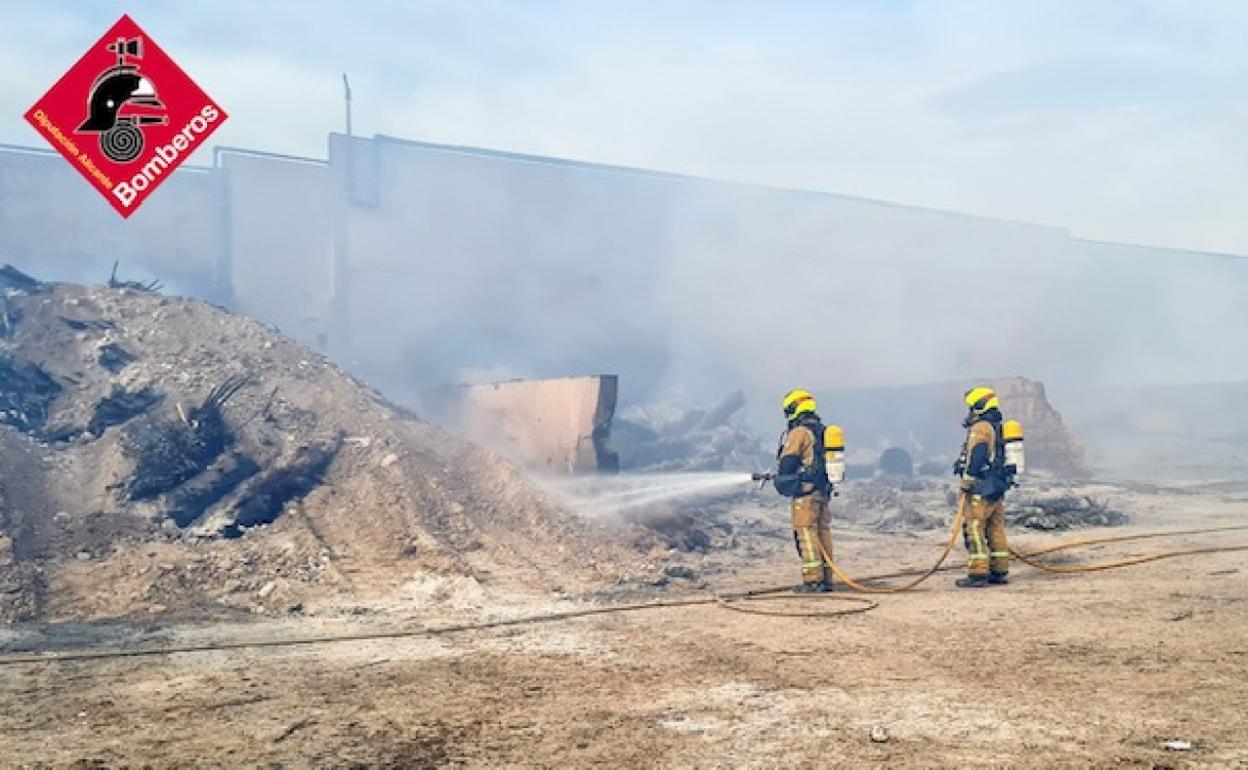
(26, 395)
(670, 437)
(168, 453)
(263, 501)
(917, 504)
(121, 406)
(73, 367)
(148, 286)
(1063, 512)
(191, 463)
(190, 457)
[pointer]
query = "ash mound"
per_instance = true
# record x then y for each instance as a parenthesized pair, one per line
(159, 454)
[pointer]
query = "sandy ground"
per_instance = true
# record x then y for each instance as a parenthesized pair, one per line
(1095, 670)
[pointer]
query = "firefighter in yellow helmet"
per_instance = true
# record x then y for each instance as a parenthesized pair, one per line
(803, 476)
(984, 481)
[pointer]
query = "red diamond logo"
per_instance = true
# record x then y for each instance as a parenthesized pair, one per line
(125, 116)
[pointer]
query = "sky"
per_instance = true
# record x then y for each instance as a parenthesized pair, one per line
(1122, 121)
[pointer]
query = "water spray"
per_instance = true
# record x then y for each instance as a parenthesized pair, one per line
(628, 491)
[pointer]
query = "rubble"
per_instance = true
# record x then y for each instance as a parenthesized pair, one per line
(1062, 512)
(262, 502)
(145, 286)
(895, 504)
(865, 498)
(679, 530)
(662, 438)
(168, 453)
(26, 395)
(12, 279)
(907, 519)
(120, 407)
(1050, 445)
(166, 432)
(114, 357)
(924, 421)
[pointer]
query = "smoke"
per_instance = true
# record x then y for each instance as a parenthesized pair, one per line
(476, 266)
(465, 266)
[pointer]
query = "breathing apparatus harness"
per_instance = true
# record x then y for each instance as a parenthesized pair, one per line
(995, 476)
(792, 474)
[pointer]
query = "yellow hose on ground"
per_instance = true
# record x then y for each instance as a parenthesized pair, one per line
(1075, 544)
(859, 587)
(1030, 558)
(780, 593)
(731, 601)
(1125, 538)
(1074, 569)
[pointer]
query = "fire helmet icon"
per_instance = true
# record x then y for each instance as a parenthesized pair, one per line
(123, 100)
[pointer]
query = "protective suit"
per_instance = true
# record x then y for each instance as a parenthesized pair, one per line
(984, 481)
(802, 475)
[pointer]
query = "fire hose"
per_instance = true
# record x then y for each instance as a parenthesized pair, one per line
(733, 601)
(859, 587)
(1030, 558)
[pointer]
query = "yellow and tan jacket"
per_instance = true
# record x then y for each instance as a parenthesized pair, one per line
(982, 472)
(802, 463)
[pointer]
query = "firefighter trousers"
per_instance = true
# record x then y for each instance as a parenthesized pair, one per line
(983, 531)
(810, 529)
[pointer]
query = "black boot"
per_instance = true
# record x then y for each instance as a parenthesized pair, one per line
(972, 581)
(808, 588)
(998, 579)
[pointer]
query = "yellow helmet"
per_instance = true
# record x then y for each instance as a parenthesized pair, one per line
(797, 402)
(980, 399)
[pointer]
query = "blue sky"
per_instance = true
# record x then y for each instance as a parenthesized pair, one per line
(1120, 120)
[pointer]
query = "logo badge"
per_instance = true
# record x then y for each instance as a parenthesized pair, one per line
(125, 116)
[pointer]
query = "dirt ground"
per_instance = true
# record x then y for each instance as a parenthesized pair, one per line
(1089, 670)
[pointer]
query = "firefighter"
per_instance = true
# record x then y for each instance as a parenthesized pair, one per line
(985, 478)
(802, 475)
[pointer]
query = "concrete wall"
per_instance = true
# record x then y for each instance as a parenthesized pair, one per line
(471, 265)
(254, 233)
(1172, 316)
(279, 241)
(56, 226)
(466, 265)
(459, 266)
(784, 290)
(418, 264)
